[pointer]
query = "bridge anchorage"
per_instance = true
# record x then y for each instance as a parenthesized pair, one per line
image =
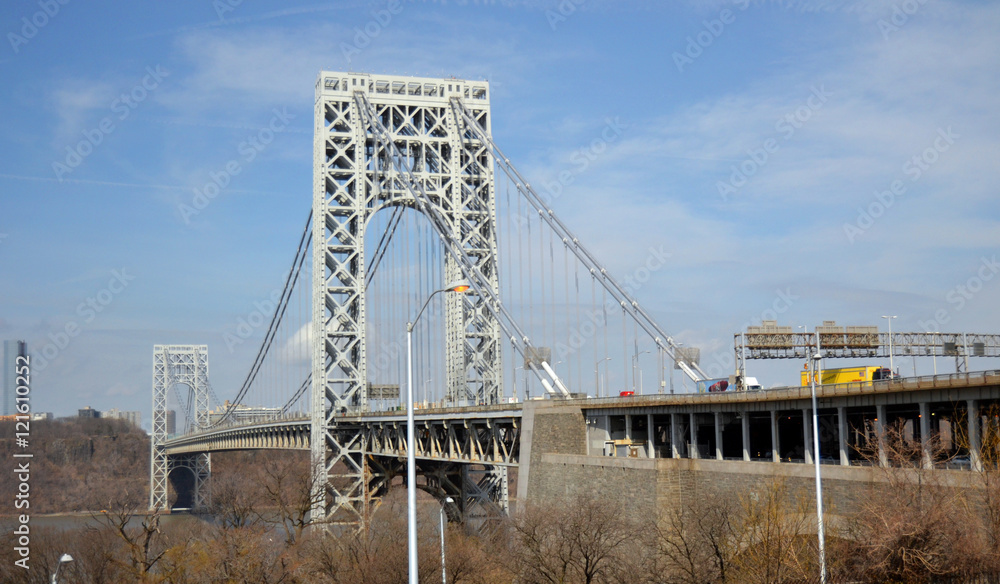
(410, 192)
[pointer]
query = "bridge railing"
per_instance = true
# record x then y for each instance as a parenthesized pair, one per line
(949, 380)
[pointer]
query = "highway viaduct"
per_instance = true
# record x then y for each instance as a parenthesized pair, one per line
(660, 451)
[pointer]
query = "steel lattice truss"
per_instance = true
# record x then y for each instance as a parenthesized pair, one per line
(175, 365)
(789, 345)
(361, 122)
(485, 440)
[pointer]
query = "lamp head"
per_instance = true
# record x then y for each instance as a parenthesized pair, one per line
(458, 286)
(817, 357)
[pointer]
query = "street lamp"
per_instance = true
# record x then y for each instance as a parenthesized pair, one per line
(411, 465)
(635, 358)
(889, 318)
(819, 483)
(597, 385)
(447, 501)
(64, 559)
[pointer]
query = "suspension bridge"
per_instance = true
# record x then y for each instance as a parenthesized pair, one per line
(411, 193)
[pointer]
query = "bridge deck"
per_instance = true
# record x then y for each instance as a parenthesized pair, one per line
(491, 434)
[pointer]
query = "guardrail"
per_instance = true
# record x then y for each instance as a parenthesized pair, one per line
(943, 381)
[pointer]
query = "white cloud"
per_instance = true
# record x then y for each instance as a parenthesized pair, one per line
(75, 104)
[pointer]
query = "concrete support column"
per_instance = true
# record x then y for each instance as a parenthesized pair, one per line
(607, 429)
(807, 436)
(972, 415)
(693, 450)
(675, 436)
(845, 455)
(775, 447)
(746, 435)
(718, 436)
(925, 435)
(650, 437)
(883, 459)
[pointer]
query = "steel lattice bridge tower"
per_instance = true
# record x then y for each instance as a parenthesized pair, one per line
(179, 365)
(383, 142)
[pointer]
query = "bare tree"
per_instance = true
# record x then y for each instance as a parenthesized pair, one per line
(989, 478)
(984, 500)
(581, 541)
(696, 543)
(287, 487)
(772, 534)
(910, 526)
(340, 554)
(236, 493)
(124, 514)
(473, 559)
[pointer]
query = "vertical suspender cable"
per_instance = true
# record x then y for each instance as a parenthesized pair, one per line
(607, 327)
(635, 350)
(552, 279)
(541, 277)
(579, 379)
(520, 270)
(625, 363)
(531, 286)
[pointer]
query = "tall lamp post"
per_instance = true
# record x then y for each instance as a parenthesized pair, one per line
(64, 559)
(411, 465)
(635, 359)
(819, 483)
(444, 577)
(889, 318)
(597, 384)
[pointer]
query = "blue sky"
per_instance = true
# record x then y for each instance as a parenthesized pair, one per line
(757, 138)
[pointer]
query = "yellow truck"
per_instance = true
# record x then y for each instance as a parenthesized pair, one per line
(847, 375)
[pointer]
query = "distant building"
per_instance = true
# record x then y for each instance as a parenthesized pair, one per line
(133, 417)
(88, 412)
(242, 413)
(42, 416)
(11, 351)
(171, 422)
